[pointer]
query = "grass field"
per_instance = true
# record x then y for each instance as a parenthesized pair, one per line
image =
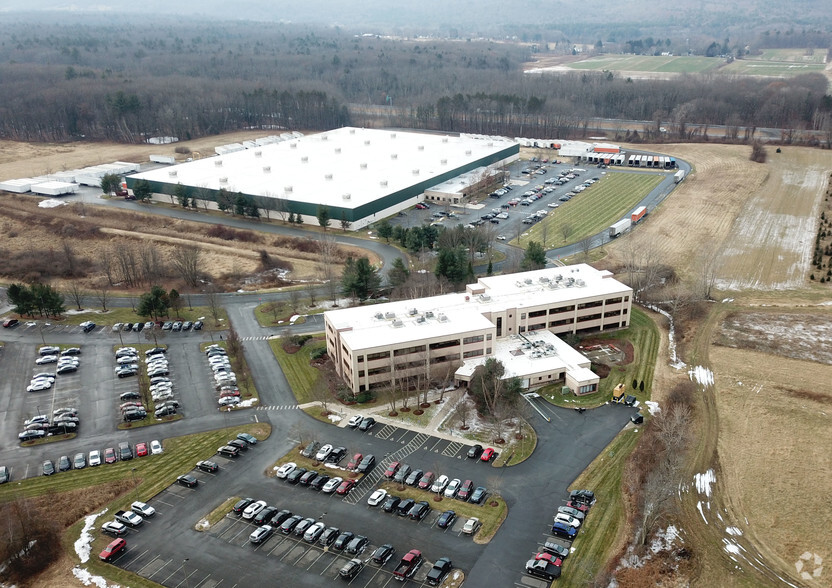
(645, 338)
(790, 55)
(295, 366)
(590, 211)
(748, 67)
(265, 314)
(649, 63)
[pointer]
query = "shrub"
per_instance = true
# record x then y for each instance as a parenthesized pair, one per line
(229, 234)
(758, 152)
(318, 353)
(299, 340)
(364, 397)
(183, 149)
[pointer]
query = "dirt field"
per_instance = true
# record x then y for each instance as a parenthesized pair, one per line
(20, 160)
(775, 448)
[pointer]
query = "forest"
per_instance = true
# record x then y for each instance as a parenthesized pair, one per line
(127, 81)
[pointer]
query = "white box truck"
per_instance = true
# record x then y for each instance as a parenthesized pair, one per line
(619, 227)
(679, 176)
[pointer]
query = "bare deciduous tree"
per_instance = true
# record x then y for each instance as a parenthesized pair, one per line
(213, 300)
(187, 260)
(102, 295)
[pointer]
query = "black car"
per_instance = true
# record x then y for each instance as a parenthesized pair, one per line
(351, 569)
(208, 466)
(66, 369)
(138, 327)
(366, 464)
(383, 554)
(475, 452)
(303, 525)
(61, 428)
(30, 435)
(164, 411)
(329, 535)
(131, 395)
(336, 455)
(366, 424)
(295, 475)
(391, 503)
(637, 418)
(197, 326)
(357, 545)
(307, 478)
(446, 519)
(241, 445)
(585, 496)
(280, 516)
(478, 495)
(420, 510)
(124, 451)
(4, 475)
(186, 326)
(319, 482)
(414, 477)
(290, 523)
(310, 449)
(402, 474)
(64, 464)
(134, 415)
(241, 505)
(227, 451)
(187, 480)
(439, 570)
(405, 507)
(155, 350)
(71, 351)
(343, 540)
(126, 372)
(48, 468)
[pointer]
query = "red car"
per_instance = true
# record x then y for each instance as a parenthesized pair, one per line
(426, 481)
(110, 455)
(464, 492)
(345, 487)
(141, 449)
(113, 549)
(421, 206)
(487, 455)
(578, 506)
(392, 469)
(551, 558)
(356, 459)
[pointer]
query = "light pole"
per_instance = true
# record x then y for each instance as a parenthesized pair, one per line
(184, 561)
(135, 486)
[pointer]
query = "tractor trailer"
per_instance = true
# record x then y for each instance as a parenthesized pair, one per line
(679, 176)
(619, 227)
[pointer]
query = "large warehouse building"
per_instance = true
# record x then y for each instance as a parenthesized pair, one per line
(515, 318)
(360, 175)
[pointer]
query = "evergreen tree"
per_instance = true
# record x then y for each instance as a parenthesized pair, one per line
(535, 257)
(323, 217)
(154, 303)
(360, 278)
(398, 273)
(142, 190)
(384, 230)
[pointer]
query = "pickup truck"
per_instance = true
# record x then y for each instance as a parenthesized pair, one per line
(408, 565)
(542, 569)
(129, 518)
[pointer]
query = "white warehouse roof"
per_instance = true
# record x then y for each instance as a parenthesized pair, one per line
(347, 167)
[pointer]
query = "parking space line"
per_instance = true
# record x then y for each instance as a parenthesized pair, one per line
(150, 577)
(141, 569)
(438, 441)
(320, 555)
(186, 580)
(204, 579)
(182, 565)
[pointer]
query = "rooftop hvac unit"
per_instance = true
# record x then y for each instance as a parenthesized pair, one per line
(258, 154)
(544, 279)
(267, 169)
(337, 150)
(485, 298)
(324, 137)
(413, 312)
(580, 283)
(367, 142)
(528, 280)
(363, 166)
(394, 156)
(223, 180)
(420, 319)
(421, 147)
(328, 176)
(287, 188)
(491, 143)
(397, 323)
(305, 159)
(379, 316)
(443, 161)
(346, 196)
(392, 135)
(444, 139)
(218, 163)
(429, 314)
(390, 315)
(416, 172)
(352, 131)
(467, 152)
(383, 183)
(172, 173)
(293, 145)
(443, 318)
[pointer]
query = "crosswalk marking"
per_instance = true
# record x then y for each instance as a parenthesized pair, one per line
(262, 338)
(452, 448)
(278, 407)
(386, 432)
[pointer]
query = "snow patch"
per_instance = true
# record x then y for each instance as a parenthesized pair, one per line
(293, 318)
(699, 507)
(335, 418)
(203, 525)
(675, 362)
(733, 531)
(664, 539)
(732, 546)
(84, 542)
(51, 203)
(88, 579)
(652, 407)
(246, 403)
(704, 482)
(702, 375)
(726, 300)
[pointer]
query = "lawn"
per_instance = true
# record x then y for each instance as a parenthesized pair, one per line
(591, 211)
(272, 314)
(606, 520)
(649, 63)
(301, 375)
(771, 68)
(645, 338)
(128, 315)
(789, 55)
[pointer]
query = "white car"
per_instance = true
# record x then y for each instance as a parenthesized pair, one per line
(44, 376)
(46, 359)
(501, 237)
(440, 484)
(332, 485)
(377, 497)
(355, 421)
(553, 205)
(314, 531)
(95, 458)
(253, 509)
(323, 452)
(155, 447)
(131, 350)
(471, 526)
(286, 469)
(452, 488)
(228, 401)
(39, 385)
(565, 518)
(114, 528)
(142, 508)
(127, 359)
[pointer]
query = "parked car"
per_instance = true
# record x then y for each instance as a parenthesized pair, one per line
(254, 509)
(208, 466)
(143, 509)
(392, 469)
(331, 485)
(366, 424)
(439, 570)
(452, 488)
(156, 447)
(426, 481)
(471, 526)
(478, 495)
(249, 439)
(567, 519)
(285, 470)
(79, 461)
(446, 519)
(487, 455)
(366, 464)
(329, 535)
(48, 468)
(420, 510)
(323, 452)
(114, 528)
(343, 540)
(377, 497)
(390, 503)
(357, 545)
(113, 549)
(141, 449)
(414, 477)
(402, 474)
(464, 491)
(265, 516)
(351, 569)
(345, 487)
(187, 480)
(110, 455)
(314, 532)
(355, 421)
(64, 464)
(94, 458)
(336, 455)
(287, 526)
(302, 526)
(475, 451)
(241, 506)
(564, 531)
(356, 459)
(294, 476)
(405, 505)
(260, 534)
(440, 484)
(572, 512)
